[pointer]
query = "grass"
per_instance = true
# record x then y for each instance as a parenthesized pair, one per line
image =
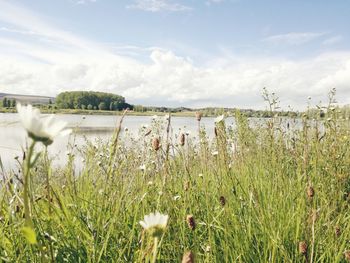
(268, 188)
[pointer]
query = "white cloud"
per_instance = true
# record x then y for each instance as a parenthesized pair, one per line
(82, 2)
(332, 40)
(70, 62)
(158, 5)
(293, 38)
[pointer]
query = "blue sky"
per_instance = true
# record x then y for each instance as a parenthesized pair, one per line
(178, 53)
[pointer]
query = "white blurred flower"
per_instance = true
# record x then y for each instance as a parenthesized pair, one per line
(155, 222)
(126, 129)
(200, 175)
(39, 128)
(177, 197)
(214, 153)
(219, 119)
(142, 167)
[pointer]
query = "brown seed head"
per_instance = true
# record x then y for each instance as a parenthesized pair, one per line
(303, 248)
(216, 131)
(148, 132)
(199, 115)
(186, 185)
(188, 257)
(310, 192)
(347, 255)
(337, 231)
(191, 222)
(182, 139)
(156, 144)
(222, 200)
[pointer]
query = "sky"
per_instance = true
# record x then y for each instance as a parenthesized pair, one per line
(192, 53)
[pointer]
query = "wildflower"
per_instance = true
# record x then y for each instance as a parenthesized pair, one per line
(200, 175)
(219, 119)
(155, 223)
(191, 222)
(38, 128)
(188, 257)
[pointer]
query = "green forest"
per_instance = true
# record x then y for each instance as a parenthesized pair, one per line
(91, 100)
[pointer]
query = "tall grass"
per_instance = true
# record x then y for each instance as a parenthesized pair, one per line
(253, 193)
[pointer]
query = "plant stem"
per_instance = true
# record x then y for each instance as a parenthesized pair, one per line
(155, 250)
(28, 220)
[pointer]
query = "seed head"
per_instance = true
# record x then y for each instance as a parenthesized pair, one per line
(303, 248)
(156, 144)
(186, 185)
(337, 231)
(199, 115)
(222, 200)
(188, 257)
(182, 139)
(347, 255)
(310, 192)
(191, 222)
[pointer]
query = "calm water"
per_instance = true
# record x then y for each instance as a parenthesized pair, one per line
(13, 137)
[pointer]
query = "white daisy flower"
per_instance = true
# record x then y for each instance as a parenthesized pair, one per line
(219, 119)
(142, 167)
(214, 153)
(43, 129)
(154, 221)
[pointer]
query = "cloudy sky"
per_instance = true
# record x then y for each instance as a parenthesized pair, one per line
(178, 52)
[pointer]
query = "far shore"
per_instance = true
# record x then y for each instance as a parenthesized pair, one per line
(104, 112)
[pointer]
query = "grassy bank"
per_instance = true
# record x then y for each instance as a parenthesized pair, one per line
(272, 193)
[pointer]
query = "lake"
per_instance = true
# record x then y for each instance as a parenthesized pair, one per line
(13, 137)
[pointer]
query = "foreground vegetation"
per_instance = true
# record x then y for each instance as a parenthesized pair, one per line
(277, 191)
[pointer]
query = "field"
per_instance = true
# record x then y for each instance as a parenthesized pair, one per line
(274, 192)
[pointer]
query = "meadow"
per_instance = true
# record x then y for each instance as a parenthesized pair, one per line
(278, 191)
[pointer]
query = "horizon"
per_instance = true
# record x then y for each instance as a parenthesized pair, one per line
(210, 53)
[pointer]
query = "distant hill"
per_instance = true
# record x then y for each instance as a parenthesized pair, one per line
(28, 98)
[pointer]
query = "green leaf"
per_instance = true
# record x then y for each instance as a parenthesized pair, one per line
(29, 234)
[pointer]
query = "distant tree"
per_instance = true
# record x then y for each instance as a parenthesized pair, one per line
(95, 108)
(102, 106)
(13, 103)
(83, 106)
(4, 102)
(111, 106)
(90, 107)
(50, 101)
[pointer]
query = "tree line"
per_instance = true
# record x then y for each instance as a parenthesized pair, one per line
(91, 100)
(8, 103)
